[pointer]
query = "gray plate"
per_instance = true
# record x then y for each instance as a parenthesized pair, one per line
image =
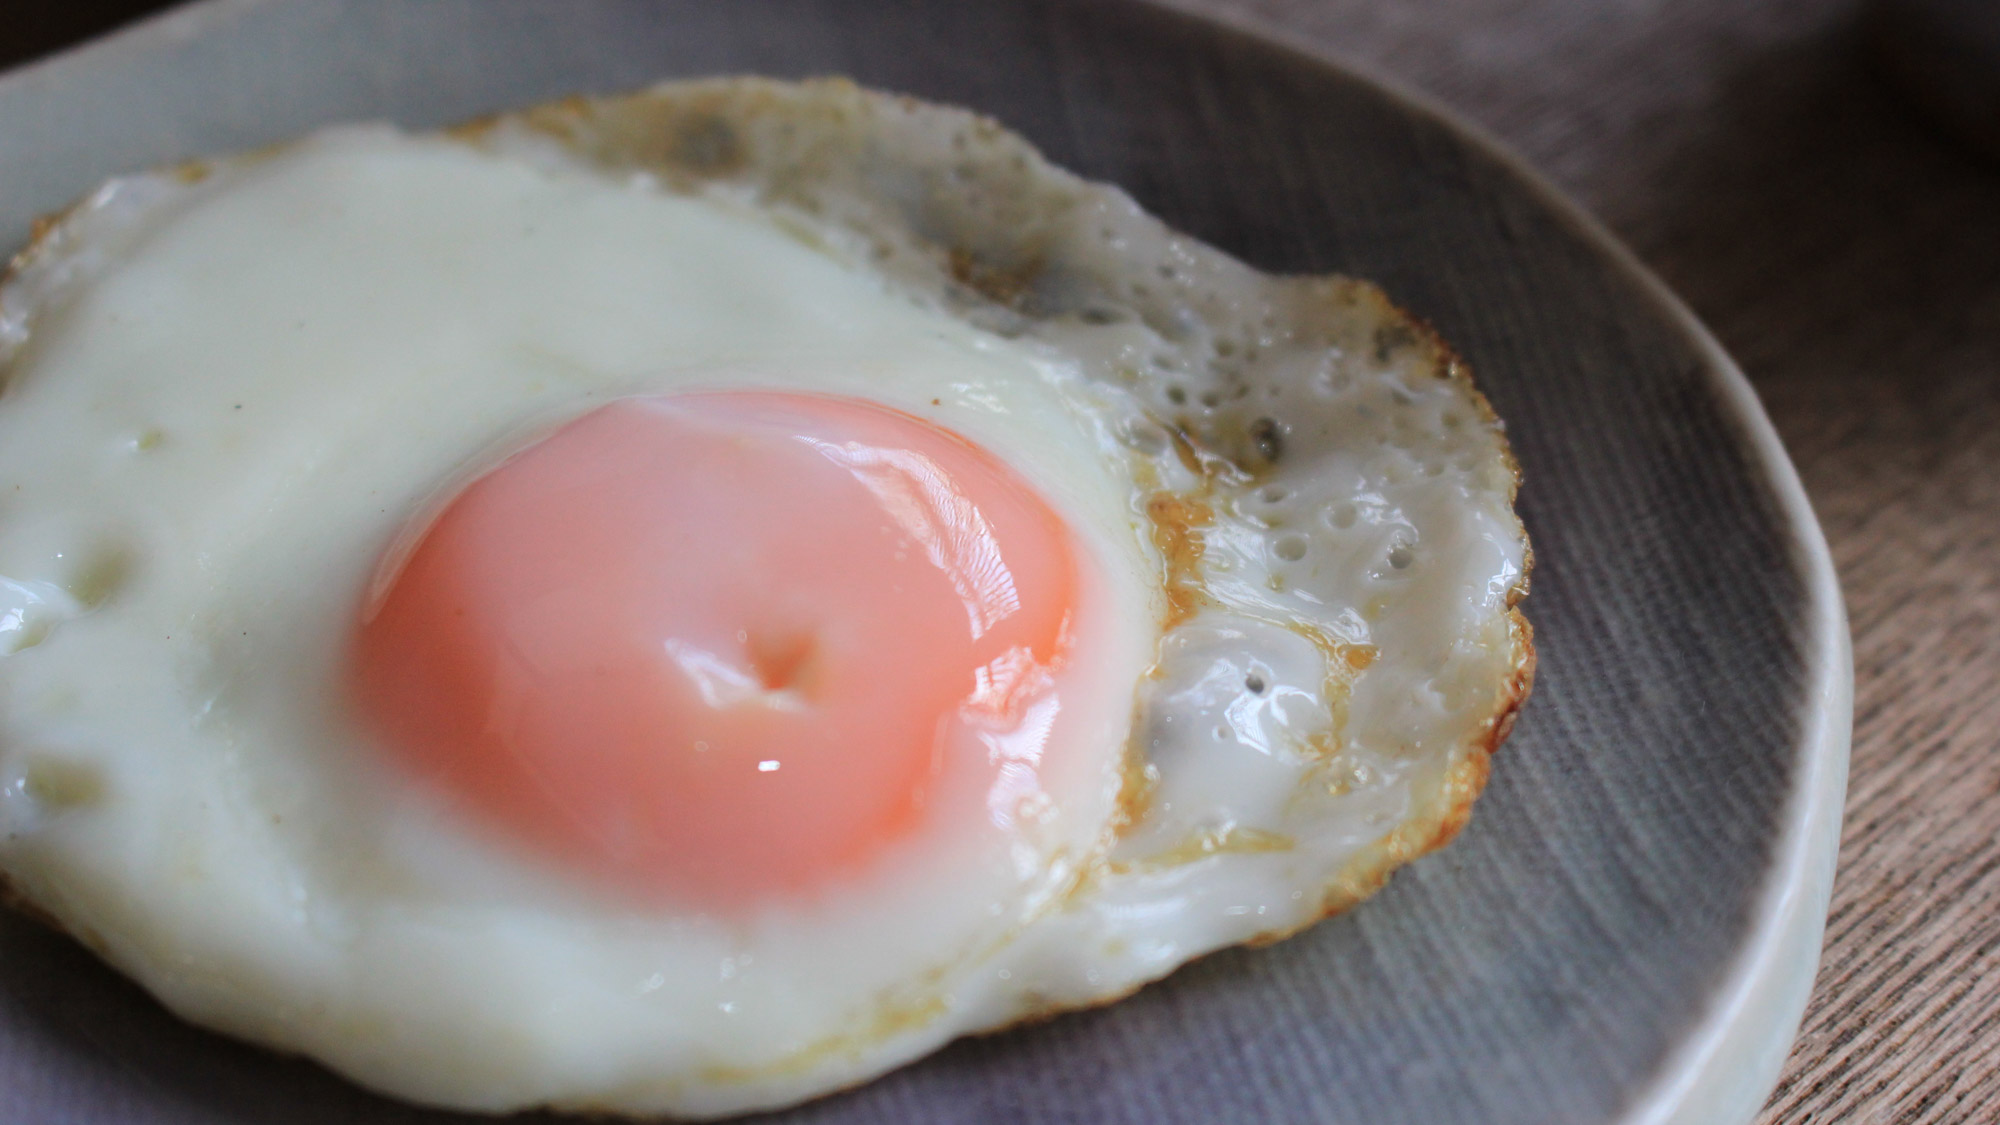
(1626, 931)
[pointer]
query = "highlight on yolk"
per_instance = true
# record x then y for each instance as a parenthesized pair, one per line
(718, 645)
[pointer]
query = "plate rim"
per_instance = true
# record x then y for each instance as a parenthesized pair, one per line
(1725, 1067)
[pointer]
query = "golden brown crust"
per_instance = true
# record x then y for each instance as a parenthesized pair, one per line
(1177, 522)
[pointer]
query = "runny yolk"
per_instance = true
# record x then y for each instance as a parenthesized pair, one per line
(717, 646)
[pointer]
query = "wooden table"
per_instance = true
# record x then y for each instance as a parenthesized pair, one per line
(1850, 259)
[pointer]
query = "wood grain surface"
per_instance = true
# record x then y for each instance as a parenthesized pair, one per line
(1849, 257)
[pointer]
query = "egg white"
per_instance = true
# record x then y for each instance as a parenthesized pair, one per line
(284, 361)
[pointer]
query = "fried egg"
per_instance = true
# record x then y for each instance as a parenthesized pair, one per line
(684, 602)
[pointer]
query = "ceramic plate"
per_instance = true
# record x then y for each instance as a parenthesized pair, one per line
(1628, 929)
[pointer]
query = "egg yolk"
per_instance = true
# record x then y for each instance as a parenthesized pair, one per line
(720, 645)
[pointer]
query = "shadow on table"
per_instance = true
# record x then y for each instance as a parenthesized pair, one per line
(33, 30)
(1845, 251)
